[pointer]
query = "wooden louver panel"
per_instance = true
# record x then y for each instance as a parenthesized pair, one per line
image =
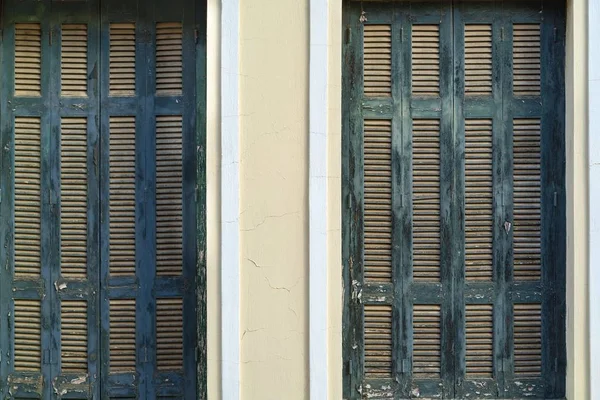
(169, 212)
(122, 330)
(426, 60)
(526, 59)
(169, 61)
(378, 200)
(73, 198)
(122, 196)
(426, 200)
(479, 340)
(27, 237)
(378, 341)
(378, 60)
(527, 254)
(478, 60)
(528, 339)
(426, 341)
(73, 336)
(478, 200)
(169, 334)
(73, 60)
(27, 336)
(122, 59)
(28, 60)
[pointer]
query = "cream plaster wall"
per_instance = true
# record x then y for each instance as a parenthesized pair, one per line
(274, 207)
(274, 199)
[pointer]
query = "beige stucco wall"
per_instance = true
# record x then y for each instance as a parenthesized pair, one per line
(274, 51)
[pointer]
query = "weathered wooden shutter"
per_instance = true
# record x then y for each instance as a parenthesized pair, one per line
(452, 272)
(148, 277)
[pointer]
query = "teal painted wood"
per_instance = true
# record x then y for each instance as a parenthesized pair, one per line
(501, 108)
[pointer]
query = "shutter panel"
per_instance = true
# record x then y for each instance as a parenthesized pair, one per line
(451, 279)
(122, 336)
(28, 60)
(75, 282)
(122, 59)
(169, 62)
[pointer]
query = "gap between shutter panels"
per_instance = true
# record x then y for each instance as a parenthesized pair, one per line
(425, 56)
(527, 339)
(426, 199)
(169, 59)
(479, 201)
(27, 335)
(478, 60)
(122, 196)
(73, 60)
(479, 355)
(169, 334)
(378, 341)
(427, 348)
(377, 50)
(122, 59)
(28, 60)
(122, 328)
(169, 211)
(377, 200)
(527, 252)
(27, 237)
(526, 59)
(73, 198)
(73, 336)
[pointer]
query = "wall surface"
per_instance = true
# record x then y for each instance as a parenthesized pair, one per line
(274, 208)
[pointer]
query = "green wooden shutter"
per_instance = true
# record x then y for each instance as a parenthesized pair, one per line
(452, 272)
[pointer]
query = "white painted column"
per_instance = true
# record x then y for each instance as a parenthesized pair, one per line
(594, 191)
(317, 189)
(230, 201)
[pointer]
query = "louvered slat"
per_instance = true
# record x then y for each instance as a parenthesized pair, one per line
(478, 200)
(27, 336)
(426, 200)
(73, 60)
(122, 330)
(526, 59)
(527, 257)
(27, 238)
(122, 196)
(378, 200)
(528, 339)
(378, 60)
(73, 336)
(378, 341)
(479, 340)
(169, 61)
(426, 341)
(28, 60)
(426, 60)
(122, 59)
(73, 198)
(169, 334)
(478, 60)
(169, 215)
